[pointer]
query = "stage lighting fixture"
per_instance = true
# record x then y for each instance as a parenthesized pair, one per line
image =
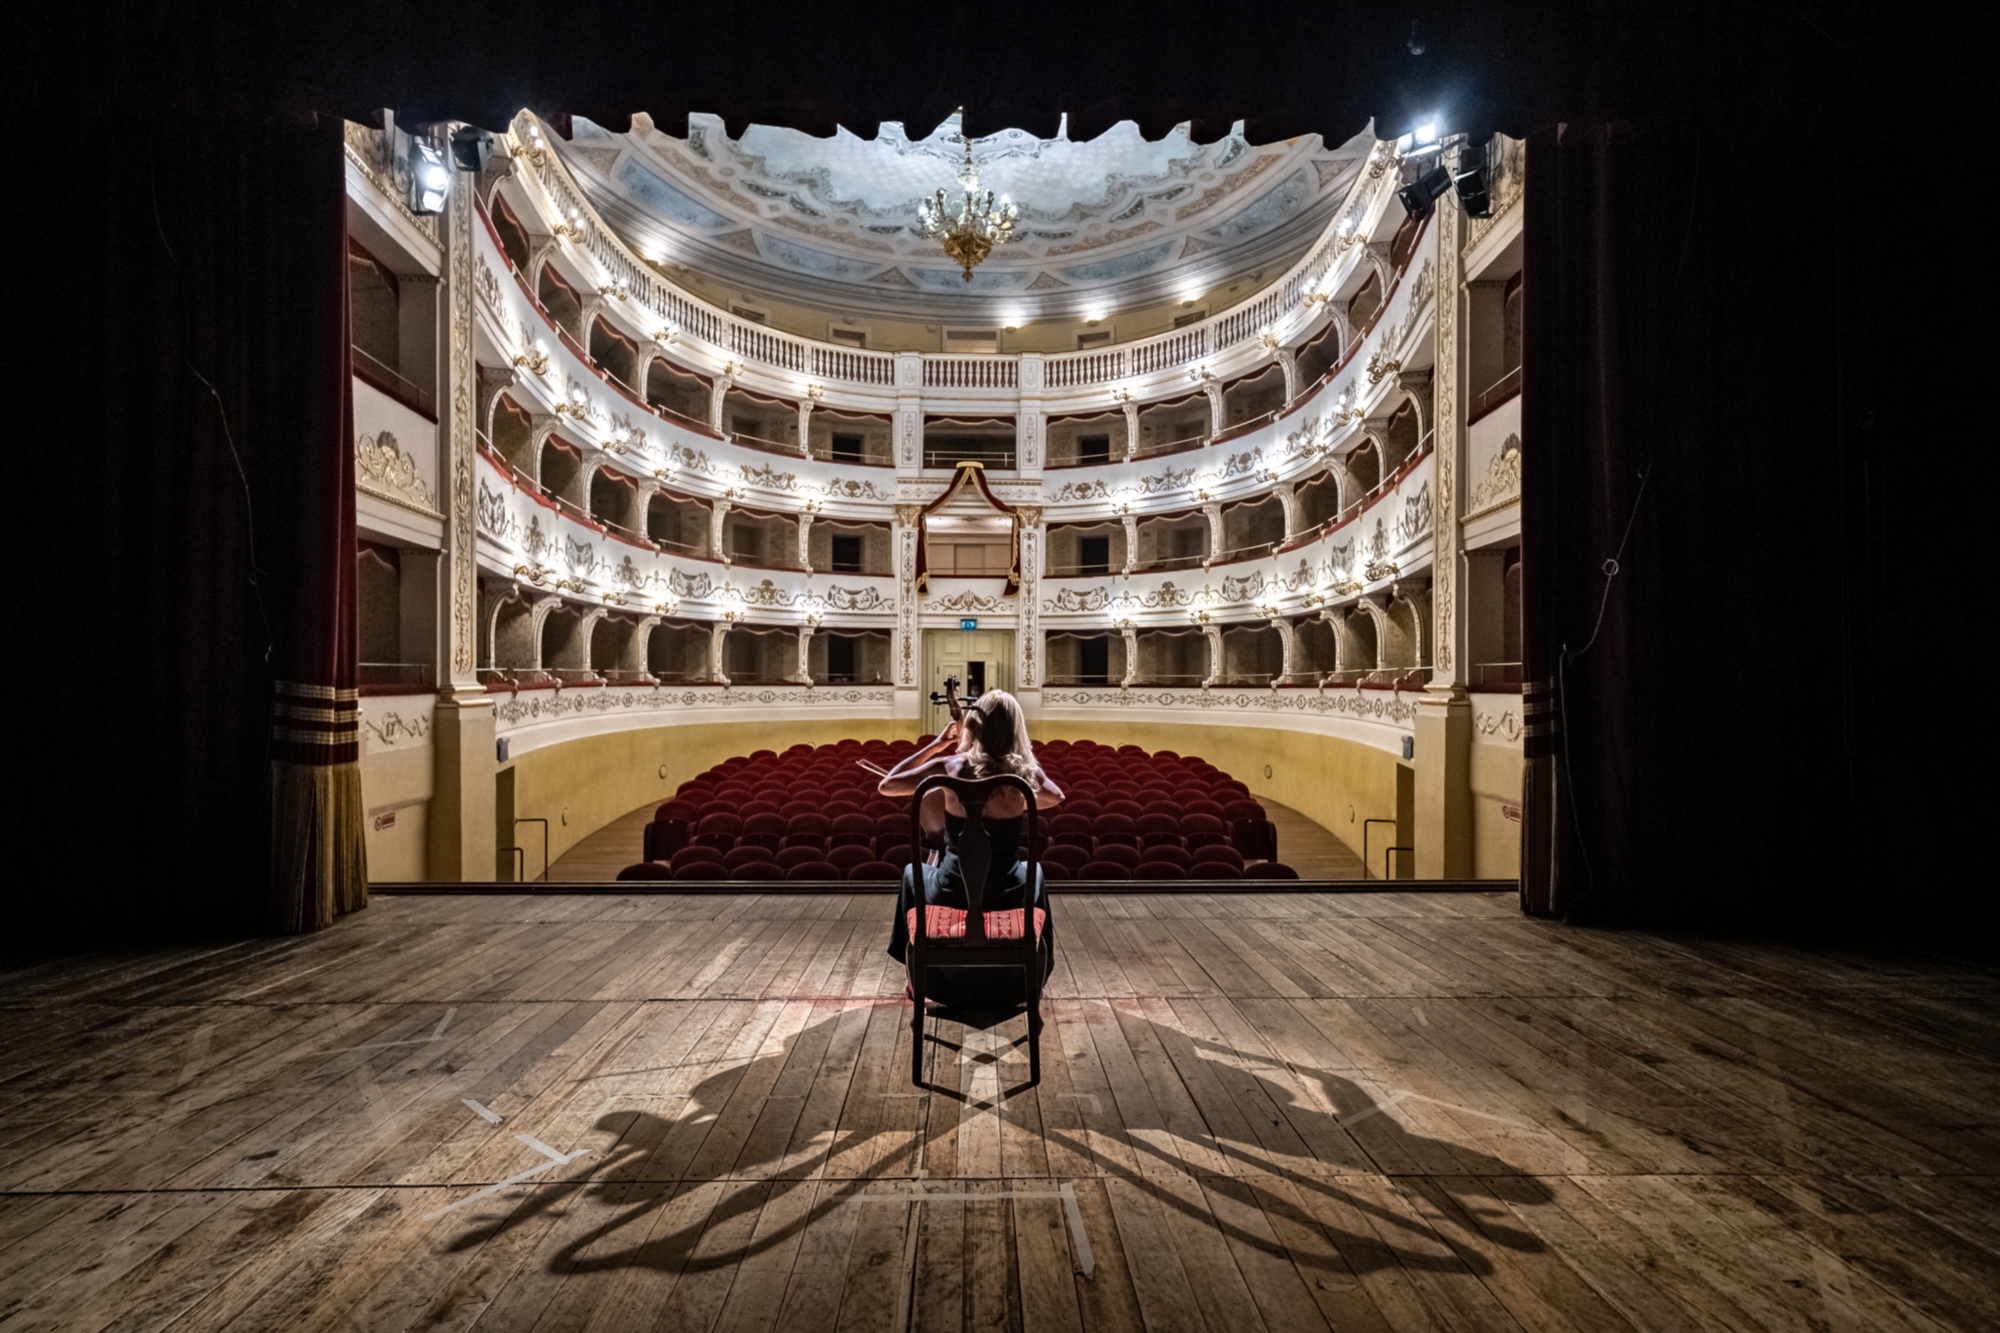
(471, 147)
(1474, 193)
(429, 179)
(1421, 193)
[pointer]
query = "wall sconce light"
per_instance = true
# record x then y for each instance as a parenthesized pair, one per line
(570, 228)
(617, 291)
(815, 392)
(535, 360)
(812, 506)
(1199, 616)
(666, 335)
(1381, 367)
(813, 619)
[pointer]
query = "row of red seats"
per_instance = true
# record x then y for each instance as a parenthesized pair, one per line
(1124, 808)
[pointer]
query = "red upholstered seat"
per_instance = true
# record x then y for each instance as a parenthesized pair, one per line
(1103, 870)
(702, 870)
(743, 856)
(646, 870)
(792, 809)
(1115, 829)
(1068, 821)
(664, 837)
(1201, 830)
(948, 923)
(850, 856)
(1124, 807)
(814, 869)
(1269, 870)
(1116, 853)
(1051, 872)
(897, 856)
(696, 852)
(756, 870)
(1158, 870)
(811, 822)
(1172, 855)
(1084, 808)
(891, 825)
(766, 829)
(1192, 804)
(852, 829)
(679, 808)
(1218, 854)
(1083, 840)
(875, 872)
(1214, 870)
(797, 856)
(1159, 823)
(837, 805)
(718, 830)
(815, 841)
(881, 807)
(1066, 855)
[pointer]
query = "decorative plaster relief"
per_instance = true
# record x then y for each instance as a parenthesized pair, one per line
(386, 471)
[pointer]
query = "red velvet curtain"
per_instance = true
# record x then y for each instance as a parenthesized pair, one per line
(200, 345)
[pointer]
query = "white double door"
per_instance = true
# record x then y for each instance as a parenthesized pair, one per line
(982, 659)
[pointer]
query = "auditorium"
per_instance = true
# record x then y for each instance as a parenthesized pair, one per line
(1035, 669)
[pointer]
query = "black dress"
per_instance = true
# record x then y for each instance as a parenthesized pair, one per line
(944, 886)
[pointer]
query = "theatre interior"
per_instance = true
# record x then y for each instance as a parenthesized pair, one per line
(1455, 544)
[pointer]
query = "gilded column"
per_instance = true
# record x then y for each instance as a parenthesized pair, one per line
(463, 842)
(905, 651)
(1028, 642)
(1443, 722)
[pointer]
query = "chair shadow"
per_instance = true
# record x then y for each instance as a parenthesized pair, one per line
(638, 1177)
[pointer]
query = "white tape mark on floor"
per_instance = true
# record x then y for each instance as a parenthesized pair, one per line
(490, 1117)
(920, 1191)
(244, 995)
(556, 1159)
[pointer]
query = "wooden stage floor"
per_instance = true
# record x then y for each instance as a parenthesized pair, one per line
(1358, 1111)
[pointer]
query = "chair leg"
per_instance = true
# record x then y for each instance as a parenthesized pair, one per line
(917, 1026)
(1034, 989)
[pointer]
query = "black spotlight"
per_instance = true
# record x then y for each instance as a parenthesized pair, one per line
(471, 147)
(1472, 183)
(1425, 190)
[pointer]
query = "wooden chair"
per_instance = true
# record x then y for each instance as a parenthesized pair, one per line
(975, 937)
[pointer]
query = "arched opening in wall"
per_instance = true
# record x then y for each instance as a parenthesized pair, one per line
(1404, 438)
(1252, 655)
(1318, 358)
(849, 657)
(760, 541)
(949, 441)
(1318, 647)
(1360, 655)
(677, 395)
(757, 422)
(514, 647)
(1081, 441)
(1172, 541)
(614, 501)
(561, 477)
(1364, 472)
(1318, 501)
(679, 524)
(513, 236)
(1168, 428)
(566, 645)
(512, 439)
(392, 318)
(839, 547)
(385, 667)
(1083, 550)
(618, 650)
(1251, 528)
(615, 354)
(1401, 642)
(863, 438)
(677, 652)
(1084, 657)
(564, 306)
(1361, 307)
(761, 655)
(1253, 399)
(1171, 657)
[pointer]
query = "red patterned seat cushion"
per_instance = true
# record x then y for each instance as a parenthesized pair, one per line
(948, 923)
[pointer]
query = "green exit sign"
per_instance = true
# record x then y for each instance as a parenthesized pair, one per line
(968, 623)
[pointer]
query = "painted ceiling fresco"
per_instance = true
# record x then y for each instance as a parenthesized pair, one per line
(1105, 224)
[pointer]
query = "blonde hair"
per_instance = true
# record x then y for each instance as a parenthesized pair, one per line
(997, 715)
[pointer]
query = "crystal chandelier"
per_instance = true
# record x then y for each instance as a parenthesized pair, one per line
(981, 223)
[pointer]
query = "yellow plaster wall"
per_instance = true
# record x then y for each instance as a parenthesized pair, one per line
(1496, 839)
(1333, 782)
(594, 779)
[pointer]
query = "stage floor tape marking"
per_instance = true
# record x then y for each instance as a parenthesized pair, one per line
(490, 1116)
(556, 1159)
(443, 1023)
(922, 1192)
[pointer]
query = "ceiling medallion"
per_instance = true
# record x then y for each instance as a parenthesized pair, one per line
(980, 225)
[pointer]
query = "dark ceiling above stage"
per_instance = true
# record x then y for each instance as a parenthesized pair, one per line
(1284, 70)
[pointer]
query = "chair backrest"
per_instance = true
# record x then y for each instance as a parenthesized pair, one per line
(765, 821)
(1269, 870)
(1125, 806)
(646, 870)
(810, 822)
(880, 872)
(975, 844)
(853, 854)
(719, 823)
(739, 856)
(814, 869)
(1218, 854)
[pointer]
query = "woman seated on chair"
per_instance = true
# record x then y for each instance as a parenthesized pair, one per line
(992, 739)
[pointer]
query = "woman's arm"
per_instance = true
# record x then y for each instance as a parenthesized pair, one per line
(904, 777)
